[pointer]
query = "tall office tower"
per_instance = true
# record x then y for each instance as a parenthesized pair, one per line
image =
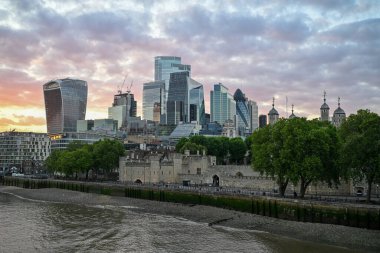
(185, 100)
(273, 115)
(65, 103)
(123, 107)
(253, 115)
(152, 95)
(242, 112)
(163, 67)
(222, 103)
(262, 121)
(325, 109)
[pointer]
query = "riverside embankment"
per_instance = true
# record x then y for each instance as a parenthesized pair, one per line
(238, 212)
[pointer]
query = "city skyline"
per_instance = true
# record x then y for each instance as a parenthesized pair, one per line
(267, 49)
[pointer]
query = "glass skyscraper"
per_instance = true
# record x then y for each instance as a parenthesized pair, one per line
(242, 112)
(65, 103)
(163, 67)
(222, 104)
(185, 100)
(152, 97)
(124, 106)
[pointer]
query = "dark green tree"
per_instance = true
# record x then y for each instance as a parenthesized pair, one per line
(237, 150)
(180, 144)
(106, 154)
(193, 148)
(269, 155)
(360, 153)
(51, 163)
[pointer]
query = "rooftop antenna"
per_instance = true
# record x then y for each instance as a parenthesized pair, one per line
(338, 101)
(324, 96)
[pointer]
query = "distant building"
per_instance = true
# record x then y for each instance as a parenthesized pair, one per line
(157, 112)
(273, 115)
(185, 100)
(153, 93)
(222, 104)
(163, 67)
(339, 115)
(123, 107)
(85, 125)
(253, 115)
(61, 141)
(23, 150)
(262, 121)
(243, 113)
(65, 103)
(325, 109)
(229, 129)
(212, 128)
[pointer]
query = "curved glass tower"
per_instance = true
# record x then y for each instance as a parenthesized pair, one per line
(65, 103)
(242, 112)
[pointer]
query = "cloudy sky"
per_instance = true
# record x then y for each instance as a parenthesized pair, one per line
(293, 49)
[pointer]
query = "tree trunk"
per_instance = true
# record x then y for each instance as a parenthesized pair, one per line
(303, 187)
(282, 187)
(369, 190)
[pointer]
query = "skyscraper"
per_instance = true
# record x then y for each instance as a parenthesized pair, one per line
(65, 103)
(123, 107)
(152, 97)
(185, 100)
(262, 120)
(254, 115)
(242, 112)
(222, 103)
(163, 67)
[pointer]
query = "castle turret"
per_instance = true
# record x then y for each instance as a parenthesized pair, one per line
(273, 115)
(339, 115)
(325, 109)
(292, 116)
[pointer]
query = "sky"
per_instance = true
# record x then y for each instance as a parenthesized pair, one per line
(292, 49)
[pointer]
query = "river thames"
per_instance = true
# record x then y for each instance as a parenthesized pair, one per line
(38, 226)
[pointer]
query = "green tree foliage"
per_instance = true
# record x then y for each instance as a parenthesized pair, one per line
(193, 148)
(106, 154)
(299, 151)
(180, 144)
(268, 154)
(81, 158)
(237, 150)
(360, 152)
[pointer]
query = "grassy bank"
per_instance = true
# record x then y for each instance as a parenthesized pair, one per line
(297, 211)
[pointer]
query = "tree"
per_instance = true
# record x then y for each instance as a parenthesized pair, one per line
(268, 154)
(193, 148)
(83, 160)
(51, 163)
(237, 149)
(360, 152)
(106, 154)
(180, 144)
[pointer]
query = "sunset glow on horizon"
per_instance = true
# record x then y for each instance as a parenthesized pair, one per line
(266, 48)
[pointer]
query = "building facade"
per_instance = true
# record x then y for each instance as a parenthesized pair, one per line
(262, 121)
(152, 96)
(163, 67)
(23, 150)
(253, 115)
(65, 103)
(185, 100)
(123, 107)
(222, 104)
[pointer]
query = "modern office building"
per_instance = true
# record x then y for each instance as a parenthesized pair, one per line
(163, 67)
(273, 115)
(325, 109)
(65, 103)
(253, 115)
(152, 96)
(185, 100)
(243, 113)
(222, 104)
(23, 150)
(123, 107)
(262, 121)
(339, 115)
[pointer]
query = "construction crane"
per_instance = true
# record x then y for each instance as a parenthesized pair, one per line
(120, 87)
(129, 88)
